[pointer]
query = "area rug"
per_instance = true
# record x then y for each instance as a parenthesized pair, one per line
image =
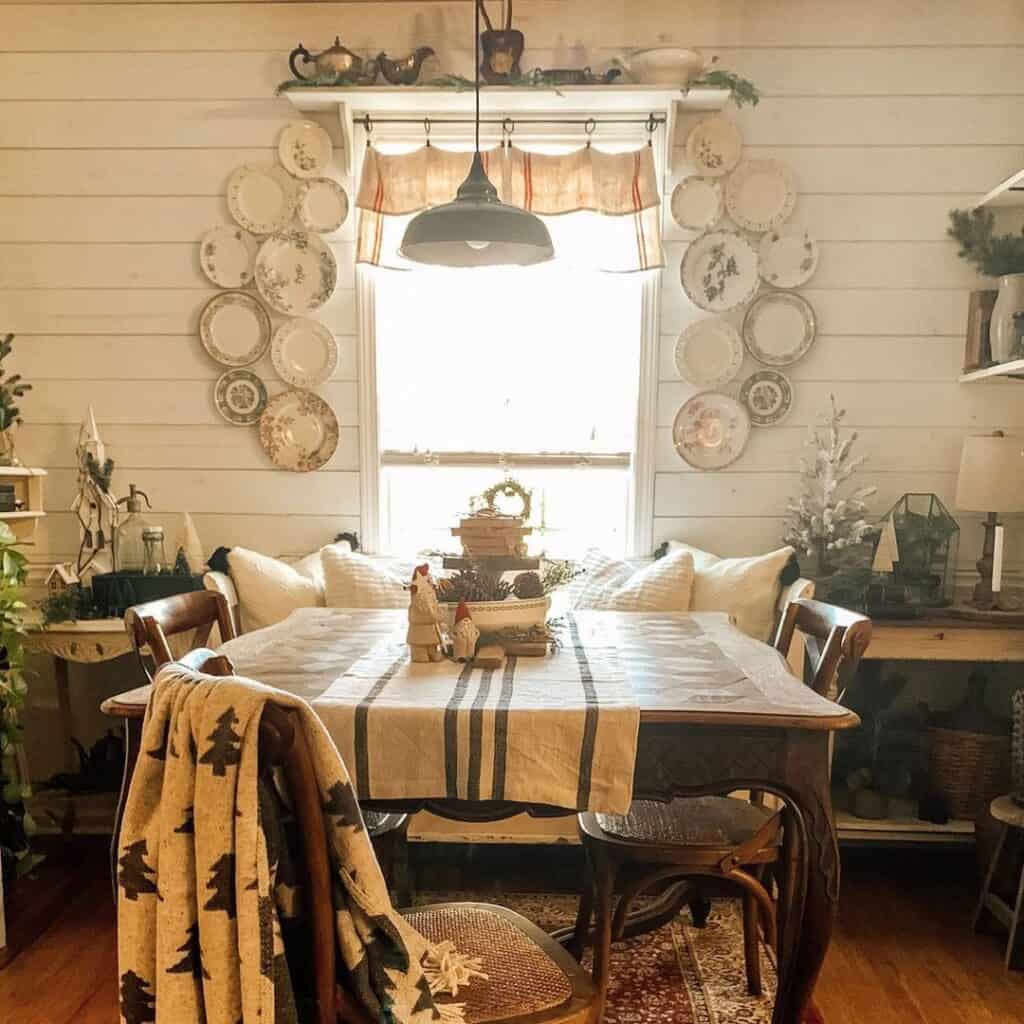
(678, 974)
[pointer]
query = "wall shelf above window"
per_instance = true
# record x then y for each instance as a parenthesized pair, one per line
(1013, 370)
(1009, 192)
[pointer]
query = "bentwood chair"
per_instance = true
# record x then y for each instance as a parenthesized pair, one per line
(725, 842)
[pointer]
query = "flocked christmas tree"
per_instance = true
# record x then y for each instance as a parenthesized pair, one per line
(822, 522)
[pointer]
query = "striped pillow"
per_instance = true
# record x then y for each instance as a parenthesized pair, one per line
(664, 585)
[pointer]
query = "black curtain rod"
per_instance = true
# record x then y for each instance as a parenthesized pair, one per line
(651, 122)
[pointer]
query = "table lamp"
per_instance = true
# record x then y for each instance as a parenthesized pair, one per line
(991, 480)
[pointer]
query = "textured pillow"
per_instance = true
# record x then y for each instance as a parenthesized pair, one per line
(746, 588)
(269, 590)
(611, 585)
(352, 580)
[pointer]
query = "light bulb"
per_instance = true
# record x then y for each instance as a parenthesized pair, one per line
(477, 245)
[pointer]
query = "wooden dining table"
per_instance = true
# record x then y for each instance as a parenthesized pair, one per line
(732, 718)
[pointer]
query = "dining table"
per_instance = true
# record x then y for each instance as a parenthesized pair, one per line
(641, 705)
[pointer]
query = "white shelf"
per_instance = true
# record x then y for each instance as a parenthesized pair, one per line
(955, 832)
(1007, 193)
(1012, 369)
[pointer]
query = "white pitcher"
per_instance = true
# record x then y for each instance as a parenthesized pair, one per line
(1004, 333)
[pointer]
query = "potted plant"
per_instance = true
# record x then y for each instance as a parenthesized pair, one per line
(1000, 256)
(11, 389)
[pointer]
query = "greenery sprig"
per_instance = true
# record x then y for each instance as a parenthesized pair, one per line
(741, 90)
(11, 388)
(990, 254)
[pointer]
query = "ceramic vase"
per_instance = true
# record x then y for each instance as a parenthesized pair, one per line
(1009, 305)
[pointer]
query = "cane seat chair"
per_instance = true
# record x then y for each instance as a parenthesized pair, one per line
(723, 841)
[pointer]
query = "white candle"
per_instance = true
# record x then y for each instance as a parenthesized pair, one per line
(997, 562)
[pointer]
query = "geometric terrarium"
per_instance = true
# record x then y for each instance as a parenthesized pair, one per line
(916, 555)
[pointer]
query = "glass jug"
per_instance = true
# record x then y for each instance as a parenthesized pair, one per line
(129, 550)
(154, 555)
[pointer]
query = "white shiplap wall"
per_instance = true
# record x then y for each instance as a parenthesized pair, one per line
(120, 122)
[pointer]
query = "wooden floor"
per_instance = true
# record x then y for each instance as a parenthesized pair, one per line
(903, 953)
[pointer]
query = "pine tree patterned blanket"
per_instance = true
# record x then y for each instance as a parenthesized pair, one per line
(205, 886)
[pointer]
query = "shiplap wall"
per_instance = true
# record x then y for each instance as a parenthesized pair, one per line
(120, 123)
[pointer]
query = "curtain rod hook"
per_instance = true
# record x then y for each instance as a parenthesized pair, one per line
(652, 123)
(508, 126)
(368, 128)
(426, 129)
(589, 127)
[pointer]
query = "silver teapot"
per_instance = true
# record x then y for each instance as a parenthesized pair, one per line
(336, 65)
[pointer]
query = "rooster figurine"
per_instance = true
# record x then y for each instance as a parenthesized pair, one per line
(405, 70)
(424, 634)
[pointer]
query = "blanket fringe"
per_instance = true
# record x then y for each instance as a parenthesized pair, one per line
(447, 970)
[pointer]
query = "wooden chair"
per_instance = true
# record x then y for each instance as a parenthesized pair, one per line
(726, 841)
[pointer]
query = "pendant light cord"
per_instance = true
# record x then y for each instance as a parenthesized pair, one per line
(476, 68)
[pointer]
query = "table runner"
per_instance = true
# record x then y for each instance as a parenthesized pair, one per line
(558, 730)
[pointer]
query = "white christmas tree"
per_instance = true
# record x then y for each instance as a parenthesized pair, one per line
(821, 523)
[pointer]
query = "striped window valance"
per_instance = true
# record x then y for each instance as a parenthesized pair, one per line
(602, 209)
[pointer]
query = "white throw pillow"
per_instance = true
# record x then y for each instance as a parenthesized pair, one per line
(352, 580)
(664, 585)
(746, 588)
(269, 590)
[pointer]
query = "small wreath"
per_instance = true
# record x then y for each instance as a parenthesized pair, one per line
(509, 489)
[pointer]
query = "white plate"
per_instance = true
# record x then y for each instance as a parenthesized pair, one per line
(299, 431)
(779, 328)
(714, 146)
(323, 205)
(228, 256)
(304, 353)
(240, 397)
(296, 272)
(760, 194)
(305, 149)
(767, 396)
(711, 430)
(709, 353)
(719, 271)
(262, 197)
(697, 203)
(789, 257)
(234, 328)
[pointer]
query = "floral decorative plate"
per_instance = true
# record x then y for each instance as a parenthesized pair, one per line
(709, 353)
(228, 256)
(719, 271)
(711, 430)
(323, 205)
(234, 328)
(262, 197)
(304, 352)
(305, 149)
(789, 257)
(760, 194)
(240, 397)
(299, 431)
(768, 397)
(697, 203)
(296, 272)
(779, 328)
(714, 146)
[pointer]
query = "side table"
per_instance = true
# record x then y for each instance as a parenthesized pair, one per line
(1010, 815)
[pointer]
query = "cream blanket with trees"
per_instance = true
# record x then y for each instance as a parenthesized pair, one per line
(204, 883)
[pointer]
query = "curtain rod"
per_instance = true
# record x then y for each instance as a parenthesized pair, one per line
(651, 122)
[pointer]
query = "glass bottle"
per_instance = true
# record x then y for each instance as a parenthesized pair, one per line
(129, 551)
(155, 558)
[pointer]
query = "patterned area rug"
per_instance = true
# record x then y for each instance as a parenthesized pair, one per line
(677, 974)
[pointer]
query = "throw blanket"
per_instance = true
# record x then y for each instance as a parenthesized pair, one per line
(202, 892)
(558, 730)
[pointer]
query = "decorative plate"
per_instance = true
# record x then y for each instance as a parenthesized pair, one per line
(234, 328)
(719, 271)
(709, 353)
(760, 194)
(789, 257)
(304, 352)
(697, 203)
(296, 272)
(711, 430)
(779, 328)
(323, 205)
(714, 146)
(262, 197)
(768, 397)
(240, 397)
(228, 256)
(298, 431)
(305, 149)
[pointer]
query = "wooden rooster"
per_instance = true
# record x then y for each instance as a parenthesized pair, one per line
(405, 70)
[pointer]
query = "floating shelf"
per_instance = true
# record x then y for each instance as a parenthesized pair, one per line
(1009, 192)
(28, 489)
(1014, 370)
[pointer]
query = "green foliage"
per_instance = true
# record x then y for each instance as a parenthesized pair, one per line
(11, 388)
(990, 254)
(101, 475)
(558, 572)
(741, 90)
(474, 583)
(69, 605)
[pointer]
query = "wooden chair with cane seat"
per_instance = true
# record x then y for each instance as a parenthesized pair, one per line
(722, 840)
(531, 978)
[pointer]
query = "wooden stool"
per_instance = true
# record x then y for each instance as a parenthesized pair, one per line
(1011, 814)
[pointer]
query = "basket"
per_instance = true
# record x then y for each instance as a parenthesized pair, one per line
(969, 769)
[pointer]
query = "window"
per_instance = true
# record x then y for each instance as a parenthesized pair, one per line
(533, 371)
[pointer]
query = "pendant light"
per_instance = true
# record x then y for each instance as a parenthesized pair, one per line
(476, 229)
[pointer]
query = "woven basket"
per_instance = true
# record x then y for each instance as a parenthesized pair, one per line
(969, 769)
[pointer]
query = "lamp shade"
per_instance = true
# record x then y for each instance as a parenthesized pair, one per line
(991, 474)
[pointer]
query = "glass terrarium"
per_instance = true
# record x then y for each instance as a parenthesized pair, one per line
(915, 560)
